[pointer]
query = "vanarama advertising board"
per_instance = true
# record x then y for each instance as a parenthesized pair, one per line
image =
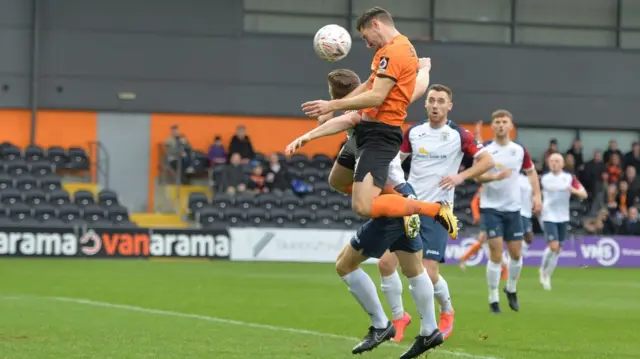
(113, 242)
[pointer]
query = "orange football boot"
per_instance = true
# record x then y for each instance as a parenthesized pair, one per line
(446, 323)
(400, 325)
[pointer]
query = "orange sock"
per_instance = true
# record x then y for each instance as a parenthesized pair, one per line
(385, 190)
(471, 251)
(389, 205)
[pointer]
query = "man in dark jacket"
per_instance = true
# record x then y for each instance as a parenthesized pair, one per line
(241, 144)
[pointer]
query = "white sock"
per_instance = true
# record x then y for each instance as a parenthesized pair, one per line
(552, 263)
(493, 281)
(392, 288)
(546, 256)
(422, 292)
(525, 248)
(441, 291)
(364, 290)
(515, 267)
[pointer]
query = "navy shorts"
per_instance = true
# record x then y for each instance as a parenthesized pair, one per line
(434, 239)
(379, 234)
(527, 225)
(507, 225)
(555, 231)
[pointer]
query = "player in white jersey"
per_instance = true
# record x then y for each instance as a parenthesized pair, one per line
(526, 192)
(557, 188)
(500, 204)
(436, 147)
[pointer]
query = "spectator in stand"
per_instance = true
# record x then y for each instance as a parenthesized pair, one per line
(632, 158)
(570, 164)
(631, 224)
(634, 183)
(576, 152)
(611, 150)
(612, 200)
(592, 173)
(172, 146)
(614, 168)
(233, 179)
(623, 197)
(241, 144)
(277, 177)
(601, 224)
(216, 154)
(257, 181)
(553, 148)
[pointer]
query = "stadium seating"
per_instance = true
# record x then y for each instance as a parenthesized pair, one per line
(323, 208)
(31, 191)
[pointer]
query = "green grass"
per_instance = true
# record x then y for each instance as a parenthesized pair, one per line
(591, 313)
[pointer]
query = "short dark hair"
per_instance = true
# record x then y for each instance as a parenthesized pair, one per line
(342, 82)
(441, 88)
(501, 113)
(376, 12)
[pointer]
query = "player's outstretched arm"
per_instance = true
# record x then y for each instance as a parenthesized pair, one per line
(371, 98)
(483, 163)
(330, 127)
(423, 79)
(490, 177)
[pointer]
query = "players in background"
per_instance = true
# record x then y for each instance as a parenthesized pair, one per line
(500, 204)
(557, 188)
(436, 147)
(383, 101)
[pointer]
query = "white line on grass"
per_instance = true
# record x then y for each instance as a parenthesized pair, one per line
(229, 321)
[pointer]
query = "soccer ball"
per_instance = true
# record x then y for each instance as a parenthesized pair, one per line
(332, 43)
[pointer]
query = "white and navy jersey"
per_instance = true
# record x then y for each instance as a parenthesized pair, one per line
(556, 196)
(526, 193)
(504, 195)
(436, 153)
(396, 173)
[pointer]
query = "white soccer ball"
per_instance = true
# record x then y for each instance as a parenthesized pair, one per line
(332, 43)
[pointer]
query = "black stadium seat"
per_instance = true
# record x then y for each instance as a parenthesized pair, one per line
(298, 161)
(257, 217)
(245, 200)
(11, 153)
(57, 156)
(302, 217)
(33, 153)
(290, 202)
(209, 216)
(77, 159)
(26, 182)
(267, 200)
(50, 183)
(222, 200)
(17, 168)
(312, 175)
(43, 212)
(322, 188)
(5, 181)
(83, 198)
(35, 197)
(107, 198)
(197, 201)
(59, 197)
(321, 161)
(18, 211)
(93, 213)
(279, 217)
(117, 214)
(68, 212)
(235, 217)
(313, 202)
(41, 168)
(10, 196)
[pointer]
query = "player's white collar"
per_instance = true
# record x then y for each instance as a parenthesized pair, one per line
(445, 124)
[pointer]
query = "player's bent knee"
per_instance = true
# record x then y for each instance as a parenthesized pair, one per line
(387, 264)
(410, 263)
(433, 269)
(348, 261)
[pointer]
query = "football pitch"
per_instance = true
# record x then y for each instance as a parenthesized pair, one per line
(103, 309)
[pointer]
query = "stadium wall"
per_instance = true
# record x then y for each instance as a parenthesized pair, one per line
(192, 57)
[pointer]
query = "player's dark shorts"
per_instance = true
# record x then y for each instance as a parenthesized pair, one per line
(527, 225)
(347, 155)
(434, 239)
(379, 234)
(555, 231)
(377, 144)
(507, 225)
